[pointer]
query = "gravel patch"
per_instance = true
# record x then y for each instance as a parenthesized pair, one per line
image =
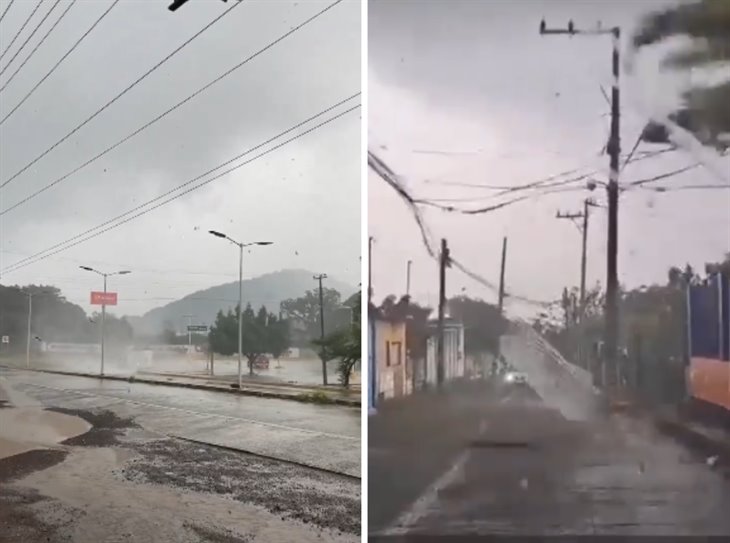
(293, 492)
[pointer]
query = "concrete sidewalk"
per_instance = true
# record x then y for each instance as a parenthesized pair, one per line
(711, 441)
(300, 393)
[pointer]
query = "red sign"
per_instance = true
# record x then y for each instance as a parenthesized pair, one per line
(103, 298)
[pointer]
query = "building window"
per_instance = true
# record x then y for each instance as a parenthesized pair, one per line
(387, 353)
(399, 352)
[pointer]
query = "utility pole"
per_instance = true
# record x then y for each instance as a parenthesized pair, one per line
(444, 261)
(190, 333)
(30, 316)
(572, 217)
(501, 275)
(408, 278)
(370, 270)
(585, 215)
(614, 149)
(321, 324)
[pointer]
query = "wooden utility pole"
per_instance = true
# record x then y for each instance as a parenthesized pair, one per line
(444, 261)
(319, 278)
(501, 275)
(408, 278)
(370, 270)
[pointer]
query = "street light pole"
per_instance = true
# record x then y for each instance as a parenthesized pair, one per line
(240, 296)
(103, 325)
(240, 315)
(103, 308)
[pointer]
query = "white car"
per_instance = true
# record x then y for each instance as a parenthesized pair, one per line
(515, 378)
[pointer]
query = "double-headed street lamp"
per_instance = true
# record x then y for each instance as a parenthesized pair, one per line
(103, 307)
(240, 292)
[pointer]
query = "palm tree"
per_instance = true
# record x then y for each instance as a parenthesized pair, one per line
(707, 24)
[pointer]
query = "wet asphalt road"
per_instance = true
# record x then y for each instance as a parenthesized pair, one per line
(516, 467)
(324, 437)
(130, 479)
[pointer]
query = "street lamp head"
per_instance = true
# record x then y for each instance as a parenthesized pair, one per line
(217, 234)
(123, 272)
(264, 243)
(86, 268)
(542, 26)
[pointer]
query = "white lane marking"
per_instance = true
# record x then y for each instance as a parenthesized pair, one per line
(426, 501)
(420, 508)
(200, 413)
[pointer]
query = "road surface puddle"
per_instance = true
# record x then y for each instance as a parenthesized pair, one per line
(27, 428)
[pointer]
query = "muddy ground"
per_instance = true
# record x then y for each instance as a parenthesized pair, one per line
(118, 482)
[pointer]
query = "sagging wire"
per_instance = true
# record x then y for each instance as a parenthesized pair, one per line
(378, 166)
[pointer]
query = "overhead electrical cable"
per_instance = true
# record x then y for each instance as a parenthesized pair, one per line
(169, 110)
(6, 10)
(66, 245)
(122, 93)
(43, 39)
(17, 34)
(30, 36)
(58, 63)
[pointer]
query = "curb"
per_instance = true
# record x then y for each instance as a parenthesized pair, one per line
(227, 390)
(694, 438)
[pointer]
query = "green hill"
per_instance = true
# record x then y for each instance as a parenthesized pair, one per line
(269, 290)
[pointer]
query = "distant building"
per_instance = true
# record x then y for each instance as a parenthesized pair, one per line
(454, 357)
(387, 360)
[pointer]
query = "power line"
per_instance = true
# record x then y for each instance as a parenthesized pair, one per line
(170, 110)
(6, 10)
(30, 36)
(546, 180)
(687, 187)
(19, 265)
(378, 166)
(53, 69)
(191, 181)
(666, 175)
(38, 45)
(21, 29)
(389, 176)
(122, 93)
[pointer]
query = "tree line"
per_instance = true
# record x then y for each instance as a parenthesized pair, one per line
(652, 330)
(54, 319)
(298, 324)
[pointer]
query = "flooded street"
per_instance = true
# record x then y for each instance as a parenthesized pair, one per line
(113, 464)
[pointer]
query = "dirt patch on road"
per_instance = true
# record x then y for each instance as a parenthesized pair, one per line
(209, 535)
(107, 427)
(311, 497)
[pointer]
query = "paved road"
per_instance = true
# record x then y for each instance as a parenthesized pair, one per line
(516, 466)
(105, 464)
(324, 437)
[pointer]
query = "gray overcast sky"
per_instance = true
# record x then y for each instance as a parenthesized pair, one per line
(304, 197)
(475, 78)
